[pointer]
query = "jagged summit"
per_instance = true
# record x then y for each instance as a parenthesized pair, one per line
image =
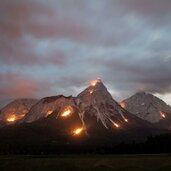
(96, 87)
(97, 102)
(147, 106)
(141, 93)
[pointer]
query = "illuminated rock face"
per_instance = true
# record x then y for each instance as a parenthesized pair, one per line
(48, 106)
(96, 103)
(61, 111)
(68, 122)
(93, 110)
(147, 107)
(16, 110)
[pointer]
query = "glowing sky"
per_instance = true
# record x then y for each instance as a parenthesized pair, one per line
(55, 46)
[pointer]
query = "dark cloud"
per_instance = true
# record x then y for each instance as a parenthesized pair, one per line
(149, 8)
(22, 23)
(48, 47)
(19, 85)
(148, 74)
(16, 14)
(38, 19)
(19, 56)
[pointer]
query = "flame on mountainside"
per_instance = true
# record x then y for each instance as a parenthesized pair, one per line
(49, 112)
(94, 82)
(77, 131)
(123, 105)
(11, 118)
(67, 111)
(91, 91)
(14, 117)
(126, 120)
(116, 125)
(163, 115)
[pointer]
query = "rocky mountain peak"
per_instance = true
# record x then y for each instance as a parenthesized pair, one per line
(147, 106)
(95, 101)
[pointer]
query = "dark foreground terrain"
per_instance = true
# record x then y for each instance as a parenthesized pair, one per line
(86, 163)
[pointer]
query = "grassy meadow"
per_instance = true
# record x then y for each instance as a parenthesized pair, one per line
(86, 163)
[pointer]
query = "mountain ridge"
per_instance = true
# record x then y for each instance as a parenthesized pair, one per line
(146, 106)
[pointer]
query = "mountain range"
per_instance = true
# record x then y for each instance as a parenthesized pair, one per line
(92, 118)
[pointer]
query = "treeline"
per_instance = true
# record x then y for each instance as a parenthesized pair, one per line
(157, 144)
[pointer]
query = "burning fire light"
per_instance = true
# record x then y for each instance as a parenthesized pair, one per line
(94, 82)
(163, 115)
(49, 112)
(67, 111)
(123, 105)
(116, 125)
(126, 120)
(11, 118)
(77, 131)
(91, 91)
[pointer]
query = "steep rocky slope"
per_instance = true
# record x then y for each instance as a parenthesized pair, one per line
(147, 107)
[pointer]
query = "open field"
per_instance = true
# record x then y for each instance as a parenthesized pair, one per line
(86, 163)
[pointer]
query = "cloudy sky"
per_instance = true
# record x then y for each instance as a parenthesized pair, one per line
(56, 46)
